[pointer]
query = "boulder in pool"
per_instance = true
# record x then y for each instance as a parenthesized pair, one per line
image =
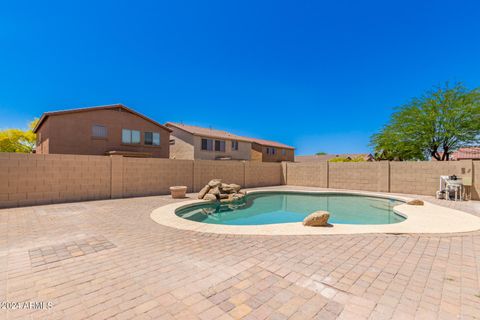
(223, 192)
(238, 196)
(230, 188)
(203, 192)
(317, 219)
(215, 191)
(415, 202)
(214, 183)
(210, 197)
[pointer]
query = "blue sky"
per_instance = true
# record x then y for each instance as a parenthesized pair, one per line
(318, 75)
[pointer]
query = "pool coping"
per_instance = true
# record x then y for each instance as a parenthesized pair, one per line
(429, 218)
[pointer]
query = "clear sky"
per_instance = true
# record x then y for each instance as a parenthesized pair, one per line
(318, 75)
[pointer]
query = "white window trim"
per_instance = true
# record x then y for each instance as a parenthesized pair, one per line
(212, 144)
(131, 136)
(220, 146)
(99, 137)
(153, 139)
(235, 143)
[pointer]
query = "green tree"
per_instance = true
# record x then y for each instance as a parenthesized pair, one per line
(321, 153)
(341, 159)
(17, 140)
(433, 125)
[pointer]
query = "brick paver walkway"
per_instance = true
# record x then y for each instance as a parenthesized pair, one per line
(108, 259)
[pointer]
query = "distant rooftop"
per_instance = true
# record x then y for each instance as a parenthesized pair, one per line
(467, 153)
(327, 157)
(220, 134)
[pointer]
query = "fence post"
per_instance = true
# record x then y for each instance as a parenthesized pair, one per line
(467, 173)
(244, 173)
(466, 169)
(284, 179)
(116, 176)
(389, 177)
(475, 188)
(383, 176)
(327, 174)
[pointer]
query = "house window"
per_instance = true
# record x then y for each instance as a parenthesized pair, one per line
(99, 131)
(234, 145)
(207, 144)
(271, 151)
(130, 136)
(152, 138)
(284, 152)
(220, 145)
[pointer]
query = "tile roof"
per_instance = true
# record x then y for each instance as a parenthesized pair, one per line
(220, 134)
(467, 153)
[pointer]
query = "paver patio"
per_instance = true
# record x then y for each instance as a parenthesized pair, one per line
(108, 259)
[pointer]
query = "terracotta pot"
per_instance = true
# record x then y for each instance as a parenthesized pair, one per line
(178, 192)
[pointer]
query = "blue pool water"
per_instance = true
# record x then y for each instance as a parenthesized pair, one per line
(284, 207)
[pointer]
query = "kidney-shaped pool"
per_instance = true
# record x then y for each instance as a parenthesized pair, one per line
(262, 208)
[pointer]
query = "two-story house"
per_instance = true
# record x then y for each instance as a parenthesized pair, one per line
(193, 142)
(103, 130)
(271, 151)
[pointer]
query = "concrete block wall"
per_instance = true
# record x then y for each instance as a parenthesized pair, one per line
(307, 174)
(29, 179)
(32, 179)
(262, 174)
(248, 174)
(355, 175)
(228, 171)
(423, 177)
(153, 176)
(116, 176)
(410, 177)
(476, 180)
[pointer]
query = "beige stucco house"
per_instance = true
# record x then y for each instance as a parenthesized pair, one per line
(193, 142)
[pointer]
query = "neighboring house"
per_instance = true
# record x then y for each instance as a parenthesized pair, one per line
(328, 157)
(192, 142)
(270, 151)
(103, 130)
(466, 153)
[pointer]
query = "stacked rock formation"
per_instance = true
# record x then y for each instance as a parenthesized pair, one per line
(215, 190)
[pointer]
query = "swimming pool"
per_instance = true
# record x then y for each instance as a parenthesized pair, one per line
(263, 208)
